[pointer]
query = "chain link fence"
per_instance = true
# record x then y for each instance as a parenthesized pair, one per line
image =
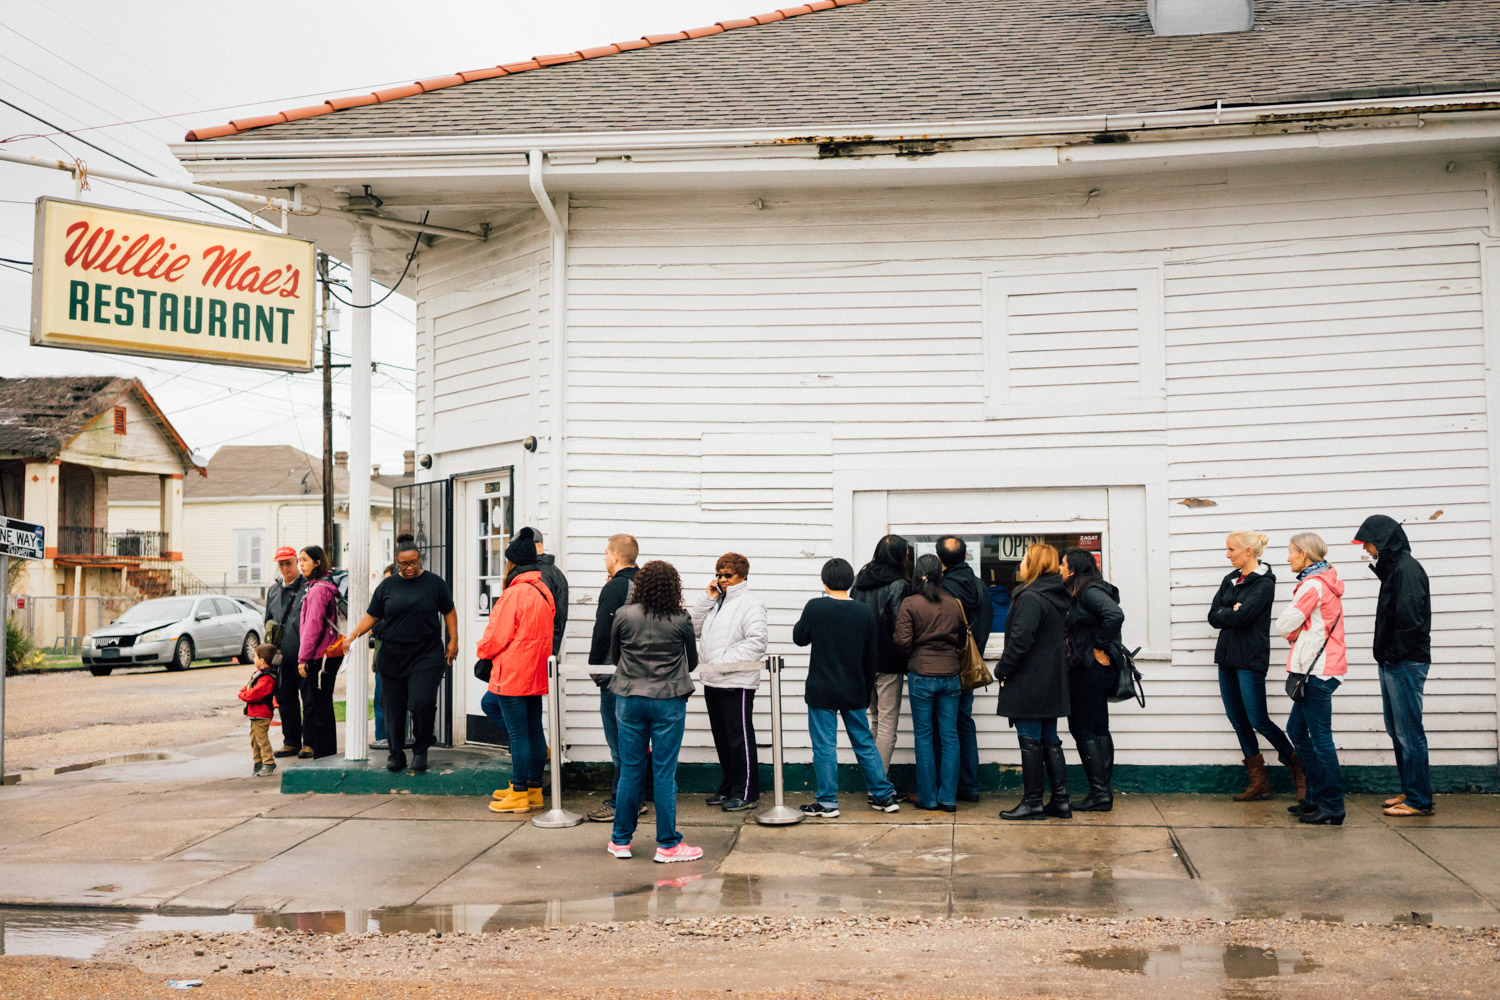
(69, 619)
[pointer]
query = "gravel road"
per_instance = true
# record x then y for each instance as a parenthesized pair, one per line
(800, 957)
(70, 717)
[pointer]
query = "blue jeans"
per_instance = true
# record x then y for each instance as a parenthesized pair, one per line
(1401, 698)
(934, 723)
(522, 719)
(968, 746)
(607, 701)
(823, 727)
(1044, 731)
(656, 723)
(1311, 728)
(1244, 695)
(379, 710)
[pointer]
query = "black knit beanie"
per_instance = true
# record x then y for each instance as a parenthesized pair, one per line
(522, 549)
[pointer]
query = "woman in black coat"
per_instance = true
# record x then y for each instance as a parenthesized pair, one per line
(1094, 621)
(1241, 611)
(1033, 676)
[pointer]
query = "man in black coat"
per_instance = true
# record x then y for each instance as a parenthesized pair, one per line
(284, 607)
(1403, 649)
(960, 581)
(558, 584)
(620, 554)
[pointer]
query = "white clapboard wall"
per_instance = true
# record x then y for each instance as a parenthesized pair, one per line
(1300, 345)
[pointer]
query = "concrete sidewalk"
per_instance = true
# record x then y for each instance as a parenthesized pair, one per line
(189, 834)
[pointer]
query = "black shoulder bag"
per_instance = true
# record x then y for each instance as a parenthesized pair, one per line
(1296, 683)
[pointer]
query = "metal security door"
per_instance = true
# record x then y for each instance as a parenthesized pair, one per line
(425, 511)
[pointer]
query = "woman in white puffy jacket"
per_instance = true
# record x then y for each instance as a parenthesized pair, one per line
(730, 623)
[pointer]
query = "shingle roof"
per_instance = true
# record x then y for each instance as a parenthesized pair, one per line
(238, 471)
(39, 417)
(898, 61)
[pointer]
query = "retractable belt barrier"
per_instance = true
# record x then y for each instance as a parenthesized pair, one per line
(557, 817)
(779, 814)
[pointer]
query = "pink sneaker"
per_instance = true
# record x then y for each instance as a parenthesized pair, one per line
(619, 850)
(682, 852)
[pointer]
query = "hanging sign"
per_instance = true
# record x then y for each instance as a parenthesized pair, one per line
(117, 282)
(1012, 548)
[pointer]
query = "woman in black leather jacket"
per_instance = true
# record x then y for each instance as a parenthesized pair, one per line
(1094, 621)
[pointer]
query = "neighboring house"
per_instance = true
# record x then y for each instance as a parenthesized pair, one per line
(1019, 270)
(256, 499)
(67, 444)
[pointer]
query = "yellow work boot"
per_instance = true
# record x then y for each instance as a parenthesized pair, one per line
(516, 801)
(534, 796)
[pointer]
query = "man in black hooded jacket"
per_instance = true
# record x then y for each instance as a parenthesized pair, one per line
(1403, 649)
(960, 581)
(882, 584)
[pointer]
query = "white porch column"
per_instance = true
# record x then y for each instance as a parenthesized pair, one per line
(357, 684)
(39, 505)
(171, 516)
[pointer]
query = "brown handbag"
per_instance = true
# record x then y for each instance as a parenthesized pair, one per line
(973, 674)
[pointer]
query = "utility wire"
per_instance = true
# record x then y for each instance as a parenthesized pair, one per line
(35, 117)
(409, 258)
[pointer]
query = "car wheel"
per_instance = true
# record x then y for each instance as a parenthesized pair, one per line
(247, 651)
(182, 656)
(101, 671)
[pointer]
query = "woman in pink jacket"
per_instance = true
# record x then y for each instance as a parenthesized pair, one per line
(518, 641)
(1314, 625)
(318, 630)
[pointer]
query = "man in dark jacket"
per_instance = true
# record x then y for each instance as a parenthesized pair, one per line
(1403, 649)
(558, 584)
(284, 607)
(960, 581)
(620, 554)
(882, 584)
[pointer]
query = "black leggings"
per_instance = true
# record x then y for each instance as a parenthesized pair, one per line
(415, 693)
(1088, 691)
(319, 728)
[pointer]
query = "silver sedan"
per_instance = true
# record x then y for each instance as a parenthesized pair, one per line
(175, 631)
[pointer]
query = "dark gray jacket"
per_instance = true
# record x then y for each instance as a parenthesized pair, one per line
(652, 656)
(558, 584)
(284, 605)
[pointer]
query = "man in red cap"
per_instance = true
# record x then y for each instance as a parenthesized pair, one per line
(284, 609)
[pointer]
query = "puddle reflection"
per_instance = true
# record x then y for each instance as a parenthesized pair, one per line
(1235, 961)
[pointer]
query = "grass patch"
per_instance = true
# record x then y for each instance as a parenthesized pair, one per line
(340, 714)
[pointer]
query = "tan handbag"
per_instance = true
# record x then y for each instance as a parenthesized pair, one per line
(973, 674)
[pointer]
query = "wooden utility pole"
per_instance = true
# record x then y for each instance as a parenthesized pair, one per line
(327, 415)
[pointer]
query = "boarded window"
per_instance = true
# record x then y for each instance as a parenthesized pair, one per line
(1092, 338)
(119, 420)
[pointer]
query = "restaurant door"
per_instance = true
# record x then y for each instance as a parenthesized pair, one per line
(484, 523)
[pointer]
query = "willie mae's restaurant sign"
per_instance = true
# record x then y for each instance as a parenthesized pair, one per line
(132, 283)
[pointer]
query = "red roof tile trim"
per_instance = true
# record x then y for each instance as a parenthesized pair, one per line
(536, 62)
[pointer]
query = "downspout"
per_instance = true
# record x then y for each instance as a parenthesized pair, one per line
(557, 307)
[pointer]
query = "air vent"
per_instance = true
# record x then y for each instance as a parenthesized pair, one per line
(1200, 17)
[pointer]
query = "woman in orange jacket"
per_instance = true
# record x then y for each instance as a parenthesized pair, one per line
(518, 641)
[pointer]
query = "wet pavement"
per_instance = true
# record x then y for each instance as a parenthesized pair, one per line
(190, 838)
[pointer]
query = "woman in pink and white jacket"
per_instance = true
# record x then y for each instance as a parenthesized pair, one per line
(1314, 625)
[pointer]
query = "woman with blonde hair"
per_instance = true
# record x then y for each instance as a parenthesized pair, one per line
(1033, 676)
(1314, 625)
(1241, 611)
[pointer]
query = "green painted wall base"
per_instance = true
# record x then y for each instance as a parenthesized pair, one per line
(463, 771)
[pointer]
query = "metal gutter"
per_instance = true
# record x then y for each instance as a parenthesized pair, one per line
(557, 308)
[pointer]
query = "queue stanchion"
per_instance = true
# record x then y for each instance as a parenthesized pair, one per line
(557, 817)
(779, 814)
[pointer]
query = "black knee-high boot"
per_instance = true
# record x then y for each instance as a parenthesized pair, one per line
(1099, 798)
(1057, 771)
(1030, 806)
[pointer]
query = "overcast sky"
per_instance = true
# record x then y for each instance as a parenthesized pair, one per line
(166, 67)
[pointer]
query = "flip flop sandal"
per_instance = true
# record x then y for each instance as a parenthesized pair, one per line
(1395, 800)
(1402, 809)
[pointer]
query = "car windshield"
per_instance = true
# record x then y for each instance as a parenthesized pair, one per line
(158, 610)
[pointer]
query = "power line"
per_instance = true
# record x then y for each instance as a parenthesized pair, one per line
(35, 117)
(409, 258)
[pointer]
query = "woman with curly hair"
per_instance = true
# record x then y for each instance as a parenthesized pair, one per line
(652, 647)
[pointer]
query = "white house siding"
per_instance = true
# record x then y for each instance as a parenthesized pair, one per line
(1320, 358)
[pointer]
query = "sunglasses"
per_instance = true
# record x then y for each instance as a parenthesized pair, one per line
(723, 576)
